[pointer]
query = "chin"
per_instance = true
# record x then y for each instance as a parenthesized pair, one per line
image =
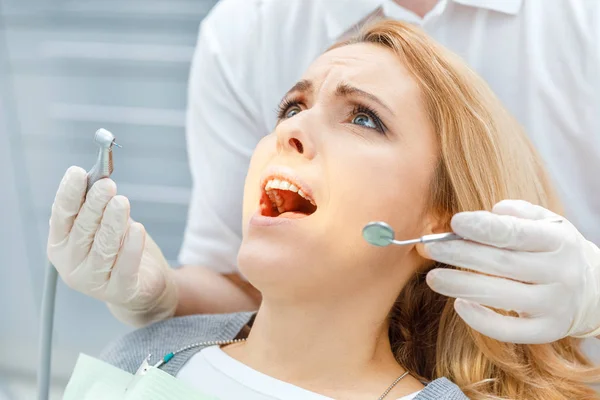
(262, 258)
(280, 270)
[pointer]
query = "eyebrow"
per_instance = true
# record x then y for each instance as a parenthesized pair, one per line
(302, 86)
(343, 90)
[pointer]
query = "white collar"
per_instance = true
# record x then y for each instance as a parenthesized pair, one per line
(341, 15)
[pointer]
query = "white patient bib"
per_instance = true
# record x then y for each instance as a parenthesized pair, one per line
(93, 379)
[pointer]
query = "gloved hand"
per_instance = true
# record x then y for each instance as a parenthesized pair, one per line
(99, 251)
(552, 274)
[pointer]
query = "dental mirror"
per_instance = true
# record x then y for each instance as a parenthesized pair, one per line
(378, 233)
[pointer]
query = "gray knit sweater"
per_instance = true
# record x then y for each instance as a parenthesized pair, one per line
(167, 336)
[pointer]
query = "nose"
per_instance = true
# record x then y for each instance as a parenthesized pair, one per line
(293, 136)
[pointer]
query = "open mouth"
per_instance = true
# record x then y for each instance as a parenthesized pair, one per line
(285, 199)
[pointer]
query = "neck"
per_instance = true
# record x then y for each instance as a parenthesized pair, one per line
(419, 7)
(318, 343)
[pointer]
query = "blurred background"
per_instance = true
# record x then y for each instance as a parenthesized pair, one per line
(68, 68)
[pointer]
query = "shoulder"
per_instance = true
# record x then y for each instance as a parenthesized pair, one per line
(248, 18)
(128, 352)
(573, 14)
(262, 47)
(441, 389)
(252, 30)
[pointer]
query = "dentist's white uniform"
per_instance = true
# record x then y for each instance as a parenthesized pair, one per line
(539, 56)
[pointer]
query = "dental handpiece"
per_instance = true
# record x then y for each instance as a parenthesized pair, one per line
(380, 234)
(103, 168)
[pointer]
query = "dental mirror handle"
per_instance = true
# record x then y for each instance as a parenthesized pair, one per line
(436, 237)
(442, 237)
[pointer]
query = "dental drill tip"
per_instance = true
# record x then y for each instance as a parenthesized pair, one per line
(118, 145)
(103, 167)
(104, 138)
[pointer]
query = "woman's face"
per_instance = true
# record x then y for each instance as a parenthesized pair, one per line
(354, 138)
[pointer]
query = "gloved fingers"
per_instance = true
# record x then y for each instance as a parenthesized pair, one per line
(124, 274)
(67, 203)
(518, 265)
(506, 328)
(88, 221)
(507, 231)
(108, 239)
(522, 209)
(493, 291)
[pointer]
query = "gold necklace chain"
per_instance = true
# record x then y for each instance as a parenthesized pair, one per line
(169, 356)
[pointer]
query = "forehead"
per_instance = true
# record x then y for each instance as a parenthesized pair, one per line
(369, 66)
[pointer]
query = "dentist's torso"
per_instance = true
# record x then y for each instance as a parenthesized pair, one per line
(540, 57)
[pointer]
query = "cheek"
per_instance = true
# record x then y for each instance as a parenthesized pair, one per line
(376, 189)
(381, 186)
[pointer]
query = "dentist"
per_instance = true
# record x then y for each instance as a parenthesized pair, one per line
(540, 57)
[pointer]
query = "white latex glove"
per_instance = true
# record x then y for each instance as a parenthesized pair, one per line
(99, 251)
(562, 270)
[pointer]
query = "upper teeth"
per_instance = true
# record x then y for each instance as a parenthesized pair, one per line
(284, 185)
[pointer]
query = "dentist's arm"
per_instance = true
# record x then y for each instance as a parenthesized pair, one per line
(547, 272)
(223, 127)
(204, 291)
(99, 251)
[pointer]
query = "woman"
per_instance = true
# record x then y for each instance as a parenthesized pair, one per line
(387, 126)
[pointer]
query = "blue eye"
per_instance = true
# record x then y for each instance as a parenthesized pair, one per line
(364, 120)
(288, 108)
(292, 111)
(368, 118)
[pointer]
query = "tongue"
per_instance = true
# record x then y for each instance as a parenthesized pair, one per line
(292, 215)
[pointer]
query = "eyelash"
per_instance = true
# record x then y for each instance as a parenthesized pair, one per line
(287, 103)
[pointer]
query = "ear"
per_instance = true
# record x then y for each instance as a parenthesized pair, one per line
(434, 223)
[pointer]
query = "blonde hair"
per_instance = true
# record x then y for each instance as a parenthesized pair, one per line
(484, 157)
